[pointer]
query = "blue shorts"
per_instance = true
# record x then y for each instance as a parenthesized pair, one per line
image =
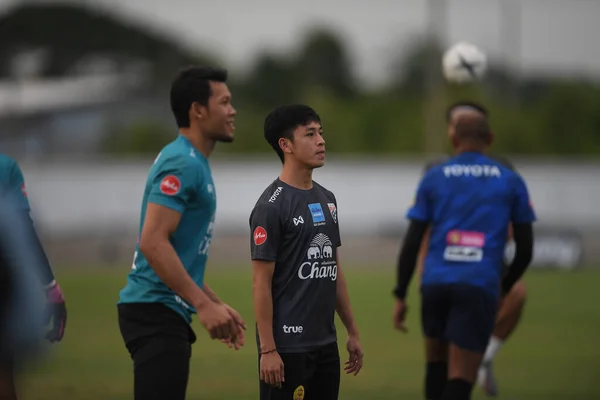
(463, 315)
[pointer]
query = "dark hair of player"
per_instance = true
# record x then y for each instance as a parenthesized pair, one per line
(465, 104)
(192, 85)
(283, 121)
(473, 128)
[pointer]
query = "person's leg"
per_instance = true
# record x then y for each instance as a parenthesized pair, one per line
(469, 327)
(161, 368)
(159, 342)
(435, 309)
(325, 383)
(509, 315)
(436, 373)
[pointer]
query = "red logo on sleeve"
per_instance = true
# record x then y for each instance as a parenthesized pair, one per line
(23, 189)
(260, 235)
(170, 185)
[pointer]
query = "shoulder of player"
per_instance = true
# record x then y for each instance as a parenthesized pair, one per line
(433, 163)
(178, 158)
(10, 172)
(502, 162)
(271, 197)
(7, 162)
(328, 193)
(434, 168)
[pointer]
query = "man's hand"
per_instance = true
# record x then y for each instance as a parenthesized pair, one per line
(400, 310)
(217, 320)
(237, 344)
(272, 369)
(55, 311)
(355, 359)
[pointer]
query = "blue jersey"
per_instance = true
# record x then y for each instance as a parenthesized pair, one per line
(469, 202)
(12, 184)
(180, 179)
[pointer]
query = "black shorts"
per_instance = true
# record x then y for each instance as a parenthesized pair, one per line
(159, 341)
(313, 375)
(460, 314)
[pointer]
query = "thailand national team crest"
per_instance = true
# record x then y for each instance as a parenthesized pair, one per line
(333, 211)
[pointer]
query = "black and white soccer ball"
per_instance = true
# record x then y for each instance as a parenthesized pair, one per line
(464, 63)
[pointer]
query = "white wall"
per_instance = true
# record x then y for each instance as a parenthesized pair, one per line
(371, 194)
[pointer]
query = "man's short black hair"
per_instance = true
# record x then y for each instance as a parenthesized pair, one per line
(465, 104)
(473, 128)
(192, 85)
(283, 121)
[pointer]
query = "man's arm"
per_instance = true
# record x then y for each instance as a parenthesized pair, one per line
(522, 218)
(523, 237)
(408, 256)
(45, 270)
(262, 277)
(342, 306)
(160, 223)
(19, 195)
(342, 303)
(211, 294)
(423, 250)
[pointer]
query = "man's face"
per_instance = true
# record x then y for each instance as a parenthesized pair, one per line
(308, 146)
(217, 120)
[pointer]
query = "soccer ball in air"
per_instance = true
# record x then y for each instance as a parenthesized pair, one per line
(464, 63)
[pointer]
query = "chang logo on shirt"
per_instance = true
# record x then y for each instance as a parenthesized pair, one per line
(317, 214)
(474, 170)
(320, 264)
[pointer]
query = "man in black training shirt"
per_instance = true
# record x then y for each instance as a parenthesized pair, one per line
(297, 281)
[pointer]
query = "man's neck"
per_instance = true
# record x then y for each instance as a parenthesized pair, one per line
(470, 148)
(198, 141)
(296, 175)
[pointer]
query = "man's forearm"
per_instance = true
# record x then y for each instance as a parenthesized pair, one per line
(45, 273)
(211, 294)
(523, 235)
(263, 311)
(408, 257)
(342, 304)
(166, 264)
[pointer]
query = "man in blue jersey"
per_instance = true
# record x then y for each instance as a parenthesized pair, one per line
(467, 203)
(512, 303)
(166, 283)
(26, 270)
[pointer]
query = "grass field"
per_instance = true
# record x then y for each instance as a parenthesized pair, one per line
(553, 355)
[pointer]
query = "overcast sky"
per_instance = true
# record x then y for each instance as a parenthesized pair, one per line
(556, 35)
